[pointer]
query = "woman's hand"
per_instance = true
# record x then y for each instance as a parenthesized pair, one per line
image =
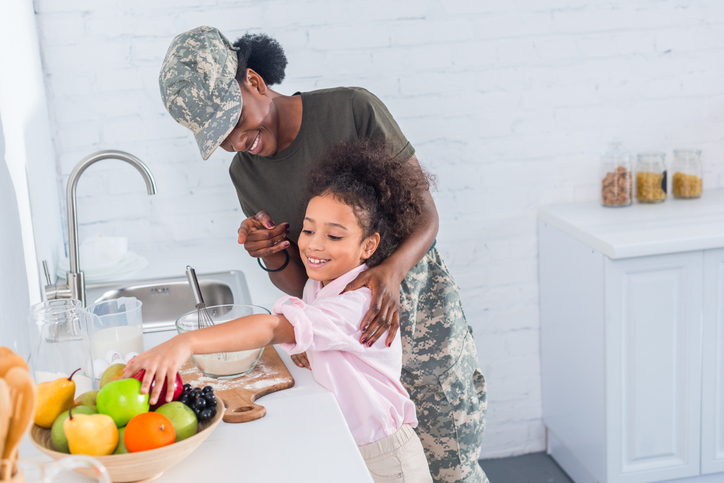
(301, 360)
(384, 311)
(260, 237)
(161, 362)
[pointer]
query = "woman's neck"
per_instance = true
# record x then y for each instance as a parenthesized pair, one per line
(289, 118)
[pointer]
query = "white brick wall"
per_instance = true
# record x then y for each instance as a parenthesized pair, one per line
(510, 103)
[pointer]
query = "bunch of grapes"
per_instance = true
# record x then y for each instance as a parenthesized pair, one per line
(201, 401)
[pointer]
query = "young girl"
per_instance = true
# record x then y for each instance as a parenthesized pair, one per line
(362, 203)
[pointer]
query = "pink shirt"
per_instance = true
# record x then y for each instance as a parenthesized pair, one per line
(365, 380)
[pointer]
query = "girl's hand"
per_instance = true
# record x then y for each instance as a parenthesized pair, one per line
(161, 362)
(384, 311)
(260, 237)
(301, 360)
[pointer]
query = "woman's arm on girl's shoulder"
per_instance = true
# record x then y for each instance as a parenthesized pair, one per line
(384, 280)
(246, 333)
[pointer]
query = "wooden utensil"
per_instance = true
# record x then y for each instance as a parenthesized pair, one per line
(9, 359)
(22, 400)
(269, 375)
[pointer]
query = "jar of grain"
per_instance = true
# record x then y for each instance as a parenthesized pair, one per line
(651, 177)
(616, 176)
(687, 178)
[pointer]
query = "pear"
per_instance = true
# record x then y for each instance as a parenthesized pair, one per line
(90, 434)
(54, 397)
(57, 435)
(113, 373)
(87, 399)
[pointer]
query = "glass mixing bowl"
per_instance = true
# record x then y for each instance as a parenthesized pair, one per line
(223, 365)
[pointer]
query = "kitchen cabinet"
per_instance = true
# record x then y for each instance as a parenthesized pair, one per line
(632, 340)
(712, 404)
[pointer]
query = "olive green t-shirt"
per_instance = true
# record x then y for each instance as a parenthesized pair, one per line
(277, 183)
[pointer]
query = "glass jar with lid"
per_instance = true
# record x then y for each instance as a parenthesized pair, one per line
(616, 176)
(651, 177)
(60, 343)
(687, 177)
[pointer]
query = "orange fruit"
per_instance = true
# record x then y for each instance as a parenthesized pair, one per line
(148, 431)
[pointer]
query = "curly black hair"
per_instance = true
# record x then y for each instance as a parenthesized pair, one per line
(386, 195)
(263, 55)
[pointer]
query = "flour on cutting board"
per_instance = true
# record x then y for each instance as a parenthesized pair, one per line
(253, 380)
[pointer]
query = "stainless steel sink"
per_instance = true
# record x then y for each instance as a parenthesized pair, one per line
(166, 299)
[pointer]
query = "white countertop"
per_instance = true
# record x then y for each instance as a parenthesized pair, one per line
(302, 438)
(643, 229)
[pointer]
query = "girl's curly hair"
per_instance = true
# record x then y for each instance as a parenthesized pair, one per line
(387, 196)
(262, 54)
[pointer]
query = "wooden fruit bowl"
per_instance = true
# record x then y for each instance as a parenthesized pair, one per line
(141, 467)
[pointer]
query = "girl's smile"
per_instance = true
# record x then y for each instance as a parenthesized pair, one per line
(315, 262)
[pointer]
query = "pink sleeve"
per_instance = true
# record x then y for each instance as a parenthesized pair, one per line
(292, 308)
(327, 324)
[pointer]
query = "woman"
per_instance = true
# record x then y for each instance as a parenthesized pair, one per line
(220, 91)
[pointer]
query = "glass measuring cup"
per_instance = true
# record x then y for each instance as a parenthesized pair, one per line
(116, 331)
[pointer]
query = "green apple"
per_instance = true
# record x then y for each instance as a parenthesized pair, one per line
(57, 435)
(121, 448)
(182, 418)
(87, 399)
(121, 400)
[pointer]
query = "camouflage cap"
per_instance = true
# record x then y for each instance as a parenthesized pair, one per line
(199, 88)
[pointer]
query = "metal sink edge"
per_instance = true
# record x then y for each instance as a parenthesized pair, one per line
(159, 287)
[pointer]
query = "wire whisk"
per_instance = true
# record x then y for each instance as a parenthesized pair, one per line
(204, 318)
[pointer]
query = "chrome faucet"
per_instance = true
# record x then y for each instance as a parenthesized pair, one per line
(75, 281)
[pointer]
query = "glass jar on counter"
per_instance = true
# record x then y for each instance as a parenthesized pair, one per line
(687, 177)
(651, 177)
(616, 176)
(60, 343)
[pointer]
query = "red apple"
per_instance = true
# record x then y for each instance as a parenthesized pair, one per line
(177, 390)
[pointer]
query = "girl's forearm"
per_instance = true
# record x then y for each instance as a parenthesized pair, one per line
(245, 333)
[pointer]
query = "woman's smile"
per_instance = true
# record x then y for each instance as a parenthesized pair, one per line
(257, 145)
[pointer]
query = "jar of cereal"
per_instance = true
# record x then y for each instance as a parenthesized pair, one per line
(686, 181)
(651, 177)
(616, 176)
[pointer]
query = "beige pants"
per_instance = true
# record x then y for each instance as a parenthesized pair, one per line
(399, 457)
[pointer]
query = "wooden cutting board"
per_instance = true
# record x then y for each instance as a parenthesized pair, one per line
(238, 394)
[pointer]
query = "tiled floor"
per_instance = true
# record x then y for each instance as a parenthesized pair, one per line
(529, 468)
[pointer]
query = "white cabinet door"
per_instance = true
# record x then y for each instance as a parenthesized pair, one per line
(653, 367)
(712, 404)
